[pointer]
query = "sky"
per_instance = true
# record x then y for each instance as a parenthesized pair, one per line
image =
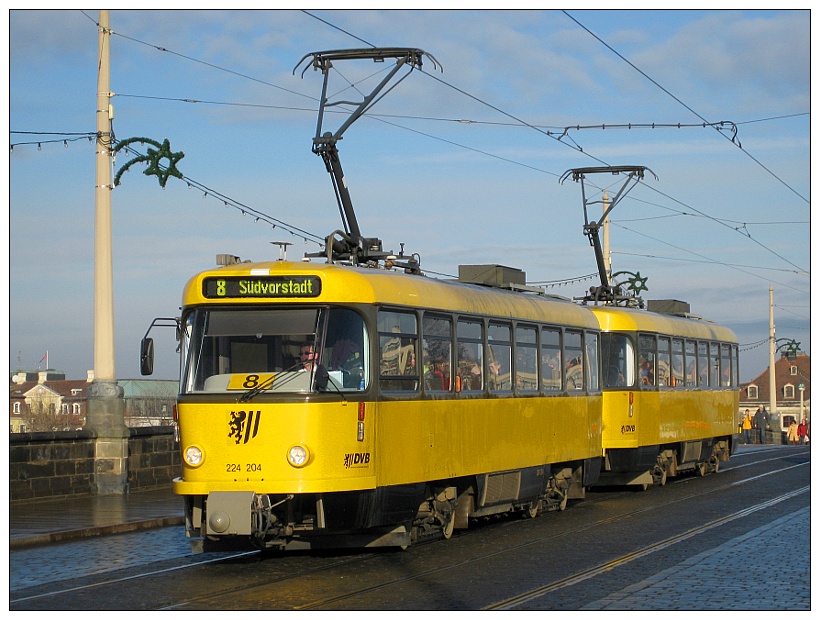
(461, 162)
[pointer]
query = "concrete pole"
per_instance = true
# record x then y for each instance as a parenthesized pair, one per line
(104, 369)
(106, 407)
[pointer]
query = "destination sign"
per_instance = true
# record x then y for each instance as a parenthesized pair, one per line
(277, 287)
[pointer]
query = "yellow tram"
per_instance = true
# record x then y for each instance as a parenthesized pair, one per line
(346, 404)
(423, 404)
(670, 395)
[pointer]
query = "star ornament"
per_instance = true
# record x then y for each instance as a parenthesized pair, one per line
(155, 167)
(637, 283)
(154, 159)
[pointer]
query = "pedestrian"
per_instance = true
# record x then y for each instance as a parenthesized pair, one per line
(792, 434)
(802, 432)
(747, 428)
(762, 423)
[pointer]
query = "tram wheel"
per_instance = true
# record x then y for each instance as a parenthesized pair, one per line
(533, 509)
(447, 528)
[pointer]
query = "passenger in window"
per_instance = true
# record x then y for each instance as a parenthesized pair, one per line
(647, 378)
(551, 370)
(440, 376)
(497, 379)
(407, 358)
(346, 352)
(470, 374)
(307, 357)
(575, 375)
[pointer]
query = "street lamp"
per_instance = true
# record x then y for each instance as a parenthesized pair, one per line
(802, 389)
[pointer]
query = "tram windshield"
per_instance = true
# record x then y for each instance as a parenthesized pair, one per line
(237, 350)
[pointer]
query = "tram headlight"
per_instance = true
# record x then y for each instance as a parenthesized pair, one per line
(193, 456)
(298, 456)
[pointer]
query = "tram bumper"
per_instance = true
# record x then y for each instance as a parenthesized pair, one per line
(229, 513)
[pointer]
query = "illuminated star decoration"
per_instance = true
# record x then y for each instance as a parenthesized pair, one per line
(154, 157)
(636, 282)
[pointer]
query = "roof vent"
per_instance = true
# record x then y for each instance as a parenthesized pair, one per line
(491, 275)
(668, 306)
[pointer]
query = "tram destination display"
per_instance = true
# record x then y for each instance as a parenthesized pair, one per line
(268, 287)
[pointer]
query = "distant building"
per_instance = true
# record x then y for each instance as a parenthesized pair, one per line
(45, 401)
(149, 402)
(792, 379)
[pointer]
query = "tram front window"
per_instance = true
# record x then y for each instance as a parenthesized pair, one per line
(274, 350)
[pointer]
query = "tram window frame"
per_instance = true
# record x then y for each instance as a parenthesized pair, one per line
(690, 363)
(497, 346)
(437, 351)
(551, 352)
(664, 376)
(678, 363)
(648, 352)
(593, 375)
(714, 364)
(725, 364)
(526, 359)
(576, 384)
(703, 364)
(470, 339)
(735, 367)
(404, 330)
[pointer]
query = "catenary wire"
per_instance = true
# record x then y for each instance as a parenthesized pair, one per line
(521, 122)
(619, 55)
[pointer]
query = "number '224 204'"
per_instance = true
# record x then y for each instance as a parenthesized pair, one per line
(234, 468)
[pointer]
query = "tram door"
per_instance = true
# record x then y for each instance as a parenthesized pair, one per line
(622, 414)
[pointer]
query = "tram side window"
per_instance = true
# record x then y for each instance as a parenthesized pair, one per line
(735, 367)
(703, 364)
(677, 362)
(550, 360)
(691, 375)
(499, 357)
(714, 364)
(398, 339)
(647, 359)
(470, 356)
(617, 360)
(526, 359)
(574, 369)
(437, 333)
(725, 365)
(664, 362)
(592, 362)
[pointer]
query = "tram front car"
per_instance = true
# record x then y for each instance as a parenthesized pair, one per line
(274, 379)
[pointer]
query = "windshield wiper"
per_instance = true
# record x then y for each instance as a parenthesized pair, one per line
(268, 384)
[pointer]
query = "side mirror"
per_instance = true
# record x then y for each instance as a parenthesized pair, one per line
(147, 356)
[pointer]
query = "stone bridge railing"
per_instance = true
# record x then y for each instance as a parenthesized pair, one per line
(60, 464)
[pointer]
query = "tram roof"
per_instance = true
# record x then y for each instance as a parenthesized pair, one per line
(632, 319)
(347, 284)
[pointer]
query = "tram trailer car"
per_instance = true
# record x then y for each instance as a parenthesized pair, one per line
(431, 403)
(670, 389)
